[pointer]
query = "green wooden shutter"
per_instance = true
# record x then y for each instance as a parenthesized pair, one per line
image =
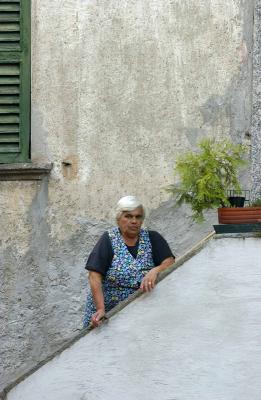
(14, 80)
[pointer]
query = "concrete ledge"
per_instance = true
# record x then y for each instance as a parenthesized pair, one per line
(65, 346)
(24, 171)
(180, 261)
(237, 228)
(239, 235)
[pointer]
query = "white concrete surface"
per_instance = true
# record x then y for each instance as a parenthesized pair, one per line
(197, 336)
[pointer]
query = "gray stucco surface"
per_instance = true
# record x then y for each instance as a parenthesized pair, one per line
(119, 90)
(196, 336)
(256, 113)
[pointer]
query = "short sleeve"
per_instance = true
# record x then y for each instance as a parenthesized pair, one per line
(101, 256)
(160, 248)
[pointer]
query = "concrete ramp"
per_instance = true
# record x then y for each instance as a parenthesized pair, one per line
(196, 337)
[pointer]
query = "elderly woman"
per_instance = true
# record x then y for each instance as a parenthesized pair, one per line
(125, 258)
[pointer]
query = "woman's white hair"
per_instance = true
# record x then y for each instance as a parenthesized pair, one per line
(128, 203)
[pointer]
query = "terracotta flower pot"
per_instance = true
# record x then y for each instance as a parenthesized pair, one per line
(239, 215)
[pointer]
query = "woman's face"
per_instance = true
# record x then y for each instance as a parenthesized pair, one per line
(130, 222)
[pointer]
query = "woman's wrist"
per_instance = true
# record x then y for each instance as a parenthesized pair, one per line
(157, 269)
(101, 309)
(165, 264)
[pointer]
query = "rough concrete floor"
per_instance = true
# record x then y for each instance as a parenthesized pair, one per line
(197, 336)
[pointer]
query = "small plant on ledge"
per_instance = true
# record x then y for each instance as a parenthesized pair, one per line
(256, 203)
(205, 176)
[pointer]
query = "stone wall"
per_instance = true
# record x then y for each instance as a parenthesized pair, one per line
(256, 112)
(119, 89)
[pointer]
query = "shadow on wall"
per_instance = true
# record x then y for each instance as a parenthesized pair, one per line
(177, 226)
(46, 292)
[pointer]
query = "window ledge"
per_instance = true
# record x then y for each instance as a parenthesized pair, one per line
(24, 171)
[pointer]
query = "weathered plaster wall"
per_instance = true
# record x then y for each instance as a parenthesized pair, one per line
(196, 336)
(119, 89)
(125, 75)
(256, 113)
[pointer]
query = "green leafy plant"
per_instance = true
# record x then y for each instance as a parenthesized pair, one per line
(205, 176)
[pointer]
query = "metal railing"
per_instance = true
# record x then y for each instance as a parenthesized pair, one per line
(249, 197)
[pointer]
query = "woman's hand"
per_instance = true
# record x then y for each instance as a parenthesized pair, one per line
(149, 281)
(97, 318)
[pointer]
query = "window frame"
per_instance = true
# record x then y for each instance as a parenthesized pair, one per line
(22, 57)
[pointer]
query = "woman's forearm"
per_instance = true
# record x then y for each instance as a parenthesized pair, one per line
(165, 264)
(149, 280)
(95, 280)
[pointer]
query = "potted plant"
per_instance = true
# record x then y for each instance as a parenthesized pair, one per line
(241, 215)
(206, 175)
